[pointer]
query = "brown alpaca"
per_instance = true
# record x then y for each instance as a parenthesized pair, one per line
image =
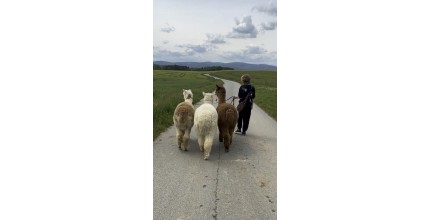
(183, 118)
(227, 118)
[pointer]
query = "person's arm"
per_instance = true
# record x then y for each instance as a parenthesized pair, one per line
(240, 94)
(253, 92)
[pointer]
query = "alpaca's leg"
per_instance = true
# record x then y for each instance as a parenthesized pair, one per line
(226, 136)
(179, 135)
(231, 131)
(208, 146)
(201, 140)
(185, 139)
(220, 134)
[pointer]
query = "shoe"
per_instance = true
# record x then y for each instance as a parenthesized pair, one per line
(243, 132)
(237, 131)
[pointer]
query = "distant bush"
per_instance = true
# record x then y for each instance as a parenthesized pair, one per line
(212, 68)
(175, 67)
(186, 68)
(156, 67)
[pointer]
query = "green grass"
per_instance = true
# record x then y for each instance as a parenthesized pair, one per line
(265, 86)
(167, 94)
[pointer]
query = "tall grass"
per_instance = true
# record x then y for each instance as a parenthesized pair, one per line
(265, 83)
(167, 93)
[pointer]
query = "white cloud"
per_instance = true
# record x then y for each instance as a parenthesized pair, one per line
(251, 54)
(268, 26)
(215, 39)
(270, 9)
(243, 29)
(251, 49)
(168, 29)
(167, 55)
(199, 48)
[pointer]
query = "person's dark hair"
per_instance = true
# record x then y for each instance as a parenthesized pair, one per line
(246, 79)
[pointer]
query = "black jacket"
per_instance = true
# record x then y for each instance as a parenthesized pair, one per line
(243, 91)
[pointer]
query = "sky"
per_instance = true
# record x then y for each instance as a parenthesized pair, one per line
(215, 31)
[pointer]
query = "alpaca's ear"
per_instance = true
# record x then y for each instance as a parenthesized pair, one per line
(217, 85)
(203, 93)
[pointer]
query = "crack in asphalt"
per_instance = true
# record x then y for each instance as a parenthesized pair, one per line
(215, 215)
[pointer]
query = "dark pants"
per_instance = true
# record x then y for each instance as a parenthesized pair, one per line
(244, 116)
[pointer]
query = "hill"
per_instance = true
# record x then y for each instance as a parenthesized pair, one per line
(234, 65)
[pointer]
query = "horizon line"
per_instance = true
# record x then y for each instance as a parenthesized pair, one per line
(209, 62)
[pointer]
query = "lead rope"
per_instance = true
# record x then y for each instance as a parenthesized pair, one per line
(232, 101)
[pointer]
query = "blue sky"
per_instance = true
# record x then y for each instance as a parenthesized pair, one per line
(217, 31)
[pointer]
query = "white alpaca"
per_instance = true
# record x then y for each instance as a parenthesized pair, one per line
(183, 118)
(206, 124)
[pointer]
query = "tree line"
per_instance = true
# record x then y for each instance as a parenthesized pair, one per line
(186, 68)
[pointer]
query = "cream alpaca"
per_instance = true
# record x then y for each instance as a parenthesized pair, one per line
(205, 121)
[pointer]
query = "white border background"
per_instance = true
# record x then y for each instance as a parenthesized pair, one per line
(76, 116)
(353, 94)
(354, 110)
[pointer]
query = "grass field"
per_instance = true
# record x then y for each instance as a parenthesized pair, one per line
(167, 93)
(265, 86)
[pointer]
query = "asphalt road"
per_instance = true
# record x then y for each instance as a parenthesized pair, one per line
(240, 184)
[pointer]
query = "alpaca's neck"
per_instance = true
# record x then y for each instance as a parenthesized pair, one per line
(221, 99)
(190, 100)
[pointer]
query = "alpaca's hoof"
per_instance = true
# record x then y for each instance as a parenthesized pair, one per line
(186, 149)
(226, 150)
(206, 158)
(220, 140)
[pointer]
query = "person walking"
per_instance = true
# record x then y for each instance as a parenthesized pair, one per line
(244, 115)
